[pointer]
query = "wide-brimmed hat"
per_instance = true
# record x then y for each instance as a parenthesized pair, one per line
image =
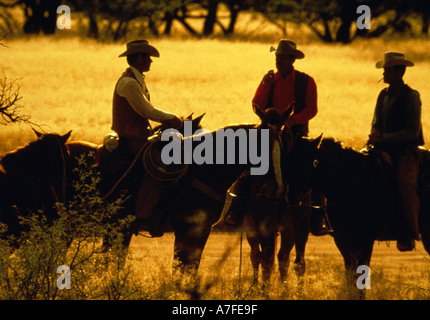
(140, 46)
(288, 47)
(392, 59)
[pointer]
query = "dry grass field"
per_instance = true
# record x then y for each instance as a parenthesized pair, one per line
(67, 83)
(394, 275)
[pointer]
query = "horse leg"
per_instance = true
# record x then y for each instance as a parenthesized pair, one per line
(424, 220)
(188, 249)
(268, 256)
(287, 244)
(354, 259)
(425, 237)
(301, 232)
(255, 255)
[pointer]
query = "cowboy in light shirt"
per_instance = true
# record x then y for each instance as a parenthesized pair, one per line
(131, 113)
(131, 101)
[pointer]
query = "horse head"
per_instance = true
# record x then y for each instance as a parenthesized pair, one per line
(41, 167)
(274, 118)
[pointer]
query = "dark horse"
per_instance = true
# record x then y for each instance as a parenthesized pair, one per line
(33, 178)
(361, 203)
(266, 215)
(191, 205)
(195, 203)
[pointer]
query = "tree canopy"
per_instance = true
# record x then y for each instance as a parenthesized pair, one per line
(330, 20)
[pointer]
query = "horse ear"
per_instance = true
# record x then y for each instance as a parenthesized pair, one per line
(289, 111)
(196, 121)
(66, 137)
(317, 141)
(190, 117)
(38, 134)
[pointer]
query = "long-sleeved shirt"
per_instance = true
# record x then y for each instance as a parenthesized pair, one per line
(284, 96)
(137, 96)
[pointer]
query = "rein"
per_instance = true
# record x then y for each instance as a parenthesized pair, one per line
(125, 173)
(151, 168)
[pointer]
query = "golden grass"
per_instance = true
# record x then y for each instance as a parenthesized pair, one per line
(394, 275)
(67, 83)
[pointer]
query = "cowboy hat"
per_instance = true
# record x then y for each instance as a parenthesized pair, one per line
(394, 59)
(140, 46)
(288, 47)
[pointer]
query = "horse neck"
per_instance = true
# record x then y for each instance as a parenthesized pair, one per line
(221, 176)
(340, 170)
(31, 163)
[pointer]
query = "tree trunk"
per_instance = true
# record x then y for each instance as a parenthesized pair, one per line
(426, 21)
(211, 18)
(168, 17)
(234, 13)
(93, 27)
(344, 32)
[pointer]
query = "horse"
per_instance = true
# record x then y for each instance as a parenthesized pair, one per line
(194, 204)
(361, 204)
(33, 178)
(121, 172)
(266, 215)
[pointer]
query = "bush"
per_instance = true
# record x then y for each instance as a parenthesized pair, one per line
(72, 240)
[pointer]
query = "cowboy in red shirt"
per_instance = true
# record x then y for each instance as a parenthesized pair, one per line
(278, 90)
(281, 89)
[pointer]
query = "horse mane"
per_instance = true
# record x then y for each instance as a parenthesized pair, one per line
(336, 147)
(339, 157)
(245, 126)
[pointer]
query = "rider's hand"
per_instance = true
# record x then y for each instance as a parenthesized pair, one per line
(375, 137)
(289, 123)
(269, 78)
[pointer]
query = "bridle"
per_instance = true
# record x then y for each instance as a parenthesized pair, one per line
(303, 196)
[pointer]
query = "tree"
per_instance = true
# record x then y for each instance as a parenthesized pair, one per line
(40, 15)
(9, 99)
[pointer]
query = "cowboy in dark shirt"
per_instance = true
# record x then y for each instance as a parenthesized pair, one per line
(396, 129)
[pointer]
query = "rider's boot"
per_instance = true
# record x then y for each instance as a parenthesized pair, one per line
(147, 198)
(317, 223)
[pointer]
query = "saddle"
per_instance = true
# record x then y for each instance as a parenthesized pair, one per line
(424, 171)
(386, 165)
(115, 157)
(112, 156)
(395, 224)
